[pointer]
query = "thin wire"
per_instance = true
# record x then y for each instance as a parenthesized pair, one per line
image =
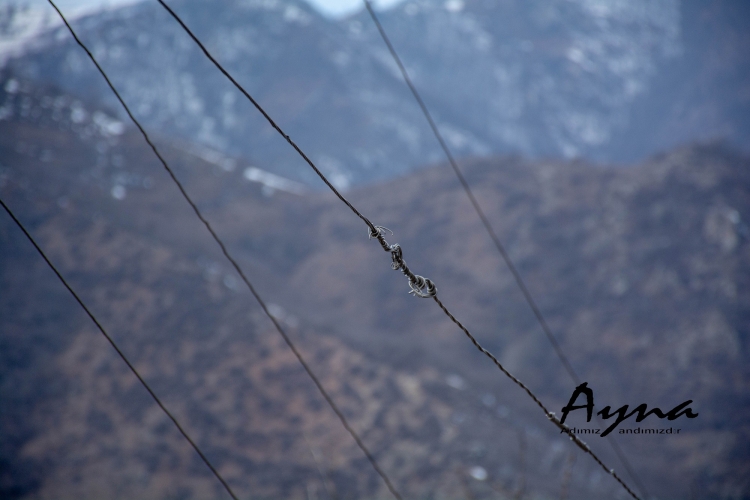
(324, 478)
(239, 270)
(491, 232)
(567, 475)
(121, 354)
(396, 253)
(472, 198)
(551, 416)
(265, 115)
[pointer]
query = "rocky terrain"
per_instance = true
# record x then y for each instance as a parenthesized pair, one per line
(642, 274)
(615, 82)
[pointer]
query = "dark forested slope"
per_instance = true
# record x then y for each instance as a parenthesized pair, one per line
(642, 273)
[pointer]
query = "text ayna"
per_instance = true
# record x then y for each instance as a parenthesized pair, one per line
(622, 413)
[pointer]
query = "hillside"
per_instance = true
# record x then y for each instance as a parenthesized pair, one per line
(610, 82)
(642, 273)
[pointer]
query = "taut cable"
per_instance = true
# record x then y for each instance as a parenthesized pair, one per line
(121, 354)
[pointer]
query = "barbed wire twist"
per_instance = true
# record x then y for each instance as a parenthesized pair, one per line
(417, 283)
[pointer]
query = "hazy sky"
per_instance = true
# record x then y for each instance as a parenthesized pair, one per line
(334, 8)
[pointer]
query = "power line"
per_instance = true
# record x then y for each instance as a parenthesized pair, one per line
(237, 267)
(265, 115)
(417, 283)
(550, 415)
(121, 354)
(491, 232)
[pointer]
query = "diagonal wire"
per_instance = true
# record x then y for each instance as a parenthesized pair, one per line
(324, 476)
(377, 232)
(121, 354)
(239, 270)
(472, 198)
(492, 234)
(266, 115)
(551, 416)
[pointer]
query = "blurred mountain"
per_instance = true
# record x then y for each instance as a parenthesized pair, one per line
(642, 273)
(612, 82)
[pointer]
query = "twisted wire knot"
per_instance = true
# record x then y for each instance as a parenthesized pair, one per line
(419, 285)
(396, 257)
(376, 231)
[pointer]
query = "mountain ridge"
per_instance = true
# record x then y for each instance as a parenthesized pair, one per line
(642, 274)
(541, 79)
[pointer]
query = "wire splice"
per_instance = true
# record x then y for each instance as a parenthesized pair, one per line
(420, 286)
